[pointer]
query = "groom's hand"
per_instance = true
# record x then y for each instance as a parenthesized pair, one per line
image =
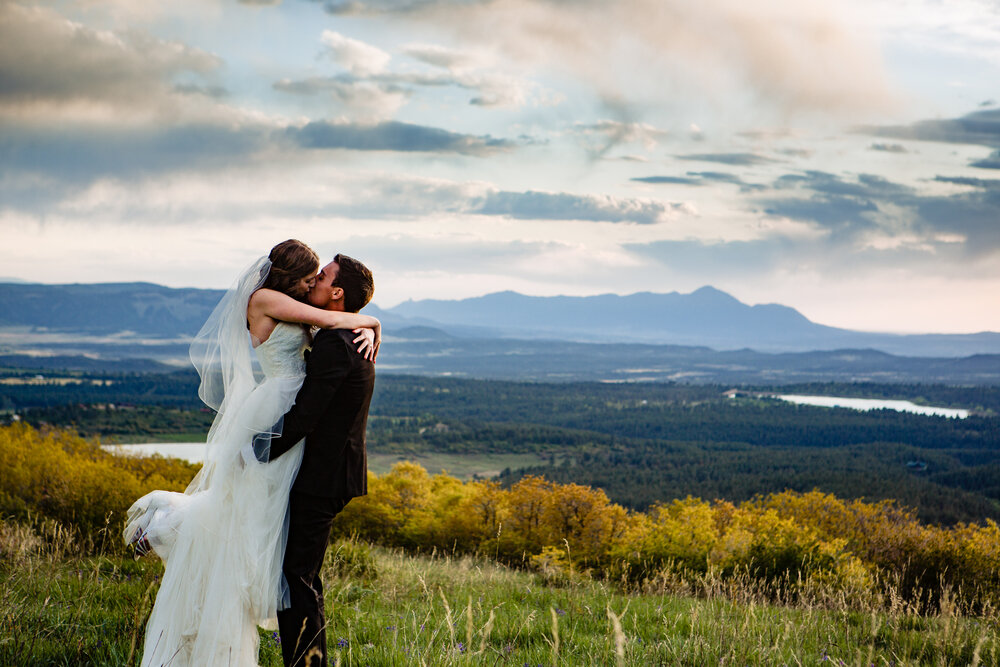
(257, 451)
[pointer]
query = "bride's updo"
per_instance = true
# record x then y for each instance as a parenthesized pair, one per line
(291, 261)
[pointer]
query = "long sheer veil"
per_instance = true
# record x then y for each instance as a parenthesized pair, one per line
(221, 351)
(222, 540)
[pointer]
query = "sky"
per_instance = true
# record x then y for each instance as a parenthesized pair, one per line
(842, 158)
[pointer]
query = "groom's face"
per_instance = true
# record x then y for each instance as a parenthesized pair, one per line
(325, 289)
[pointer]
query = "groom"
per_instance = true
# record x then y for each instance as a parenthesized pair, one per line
(330, 412)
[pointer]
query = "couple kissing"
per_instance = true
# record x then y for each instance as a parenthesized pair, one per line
(244, 543)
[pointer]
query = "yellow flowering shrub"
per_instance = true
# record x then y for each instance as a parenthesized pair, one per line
(804, 543)
(58, 475)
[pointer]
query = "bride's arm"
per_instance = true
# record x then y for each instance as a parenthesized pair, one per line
(280, 306)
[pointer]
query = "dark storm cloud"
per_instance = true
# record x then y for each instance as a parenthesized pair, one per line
(735, 159)
(393, 136)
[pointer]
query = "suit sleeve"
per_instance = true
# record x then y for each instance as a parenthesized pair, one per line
(326, 369)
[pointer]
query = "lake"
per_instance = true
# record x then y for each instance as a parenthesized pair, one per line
(873, 404)
(189, 451)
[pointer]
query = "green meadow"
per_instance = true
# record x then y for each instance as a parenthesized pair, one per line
(389, 607)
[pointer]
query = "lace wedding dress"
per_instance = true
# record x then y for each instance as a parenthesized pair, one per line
(223, 539)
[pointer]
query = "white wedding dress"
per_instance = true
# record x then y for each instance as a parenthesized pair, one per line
(223, 539)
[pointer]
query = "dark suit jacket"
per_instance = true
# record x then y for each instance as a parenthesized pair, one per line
(331, 413)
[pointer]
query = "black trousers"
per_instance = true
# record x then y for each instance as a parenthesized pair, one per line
(303, 625)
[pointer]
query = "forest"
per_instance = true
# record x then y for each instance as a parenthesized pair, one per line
(642, 443)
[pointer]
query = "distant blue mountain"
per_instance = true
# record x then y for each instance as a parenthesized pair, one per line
(106, 308)
(707, 317)
(641, 316)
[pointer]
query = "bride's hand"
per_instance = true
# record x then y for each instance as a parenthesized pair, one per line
(367, 343)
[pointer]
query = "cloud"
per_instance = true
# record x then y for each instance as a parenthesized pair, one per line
(888, 148)
(865, 185)
(981, 128)
(970, 218)
(847, 207)
(600, 137)
(441, 56)
(699, 178)
(674, 180)
(871, 211)
(562, 206)
(357, 56)
(40, 168)
(250, 194)
(991, 162)
(735, 159)
(989, 184)
(370, 86)
(393, 136)
(51, 67)
(829, 210)
(370, 99)
(794, 56)
(416, 198)
(79, 104)
(77, 157)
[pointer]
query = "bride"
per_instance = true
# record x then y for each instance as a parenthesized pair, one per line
(223, 539)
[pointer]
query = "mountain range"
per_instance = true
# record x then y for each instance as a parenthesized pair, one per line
(707, 317)
(705, 336)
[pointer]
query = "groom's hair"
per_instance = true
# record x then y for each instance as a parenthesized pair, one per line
(291, 261)
(357, 282)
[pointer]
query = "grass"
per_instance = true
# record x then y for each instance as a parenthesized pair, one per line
(386, 607)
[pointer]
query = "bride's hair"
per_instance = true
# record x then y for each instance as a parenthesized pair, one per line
(291, 261)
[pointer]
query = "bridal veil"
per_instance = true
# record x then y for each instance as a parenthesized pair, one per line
(222, 540)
